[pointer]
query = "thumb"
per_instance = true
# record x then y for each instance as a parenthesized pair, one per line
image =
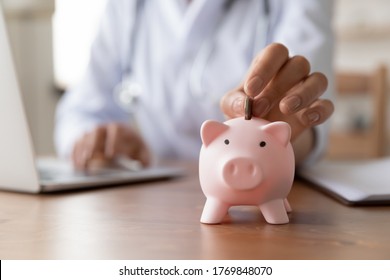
(232, 103)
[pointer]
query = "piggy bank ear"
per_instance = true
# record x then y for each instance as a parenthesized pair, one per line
(211, 130)
(280, 130)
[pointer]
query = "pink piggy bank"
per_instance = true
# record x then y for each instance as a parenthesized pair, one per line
(246, 162)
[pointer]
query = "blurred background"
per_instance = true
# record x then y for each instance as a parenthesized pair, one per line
(51, 40)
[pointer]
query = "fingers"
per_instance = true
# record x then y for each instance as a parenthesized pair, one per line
(318, 112)
(79, 155)
(107, 142)
(265, 66)
(90, 146)
(292, 79)
(121, 140)
(113, 140)
(272, 74)
(232, 103)
(293, 72)
(304, 94)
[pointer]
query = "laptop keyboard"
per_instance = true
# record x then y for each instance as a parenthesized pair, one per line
(52, 174)
(53, 169)
(56, 175)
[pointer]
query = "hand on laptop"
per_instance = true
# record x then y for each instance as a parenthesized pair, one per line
(106, 142)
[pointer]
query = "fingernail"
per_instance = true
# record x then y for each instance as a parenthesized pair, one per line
(293, 103)
(238, 106)
(313, 117)
(261, 107)
(253, 86)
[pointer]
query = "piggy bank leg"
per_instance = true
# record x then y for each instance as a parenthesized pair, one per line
(214, 211)
(274, 212)
(287, 205)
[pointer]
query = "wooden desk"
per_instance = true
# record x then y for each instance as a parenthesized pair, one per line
(160, 220)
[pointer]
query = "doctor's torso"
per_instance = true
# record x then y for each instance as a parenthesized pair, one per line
(184, 56)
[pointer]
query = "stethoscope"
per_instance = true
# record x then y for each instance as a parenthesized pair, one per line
(128, 92)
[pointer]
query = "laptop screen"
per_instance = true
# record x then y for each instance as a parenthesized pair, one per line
(17, 169)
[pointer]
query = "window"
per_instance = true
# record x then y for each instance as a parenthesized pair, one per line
(74, 28)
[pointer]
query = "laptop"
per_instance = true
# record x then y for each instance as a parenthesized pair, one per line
(19, 169)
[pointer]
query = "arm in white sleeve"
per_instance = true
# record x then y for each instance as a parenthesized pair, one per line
(91, 102)
(305, 27)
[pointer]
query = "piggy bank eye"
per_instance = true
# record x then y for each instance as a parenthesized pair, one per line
(262, 144)
(227, 141)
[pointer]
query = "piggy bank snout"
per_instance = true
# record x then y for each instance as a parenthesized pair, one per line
(241, 173)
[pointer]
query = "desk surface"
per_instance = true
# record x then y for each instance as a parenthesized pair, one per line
(160, 220)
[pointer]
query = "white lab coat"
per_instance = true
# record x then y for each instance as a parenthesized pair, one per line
(168, 40)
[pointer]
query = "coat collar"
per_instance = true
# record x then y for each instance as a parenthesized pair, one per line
(194, 22)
